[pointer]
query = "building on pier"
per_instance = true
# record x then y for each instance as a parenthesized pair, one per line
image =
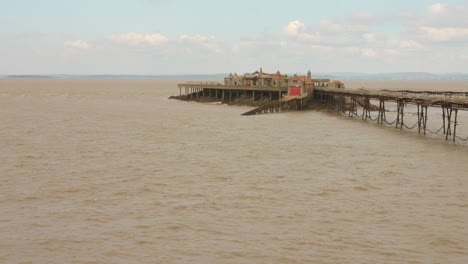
(257, 78)
(259, 85)
(298, 85)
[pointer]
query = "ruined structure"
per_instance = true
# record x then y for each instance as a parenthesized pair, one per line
(276, 92)
(297, 85)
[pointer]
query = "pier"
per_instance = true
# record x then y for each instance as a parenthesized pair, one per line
(226, 93)
(357, 103)
(273, 93)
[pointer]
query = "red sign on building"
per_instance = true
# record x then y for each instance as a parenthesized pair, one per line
(295, 90)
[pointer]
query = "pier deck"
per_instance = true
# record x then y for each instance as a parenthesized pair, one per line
(353, 103)
(348, 101)
(428, 98)
(229, 93)
(219, 86)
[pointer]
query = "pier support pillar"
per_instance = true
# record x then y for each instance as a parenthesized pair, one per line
(400, 114)
(449, 122)
(455, 123)
(443, 118)
(422, 118)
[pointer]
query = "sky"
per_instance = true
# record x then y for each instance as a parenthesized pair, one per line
(214, 36)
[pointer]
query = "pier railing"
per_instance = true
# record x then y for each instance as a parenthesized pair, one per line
(458, 99)
(205, 83)
(221, 86)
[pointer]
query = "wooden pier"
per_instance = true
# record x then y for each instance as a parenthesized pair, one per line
(360, 103)
(357, 103)
(270, 99)
(227, 93)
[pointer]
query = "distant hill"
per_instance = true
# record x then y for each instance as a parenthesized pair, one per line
(334, 75)
(27, 76)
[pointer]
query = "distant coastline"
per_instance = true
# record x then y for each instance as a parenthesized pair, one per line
(335, 76)
(27, 77)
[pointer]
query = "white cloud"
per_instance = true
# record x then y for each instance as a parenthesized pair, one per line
(133, 38)
(444, 34)
(210, 43)
(359, 41)
(77, 44)
(343, 32)
(436, 9)
(296, 29)
(342, 27)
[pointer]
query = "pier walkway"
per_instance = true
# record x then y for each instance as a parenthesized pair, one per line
(228, 92)
(281, 105)
(357, 103)
(360, 103)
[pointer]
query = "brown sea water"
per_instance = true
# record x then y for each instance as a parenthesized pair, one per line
(110, 171)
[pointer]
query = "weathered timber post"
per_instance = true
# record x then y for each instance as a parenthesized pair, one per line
(384, 114)
(367, 104)
(351, 109)
(338, 106)
(443, 117)
(400, 113)
(355, 107)
(343, 104)
(381, 118)
(455, 125)
(366, 108)
(420, 117)
(425, 119)
(449, 123)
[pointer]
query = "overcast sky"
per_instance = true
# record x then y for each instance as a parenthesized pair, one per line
(214, 36)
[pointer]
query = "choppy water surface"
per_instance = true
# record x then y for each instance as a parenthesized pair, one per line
(113, 172)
